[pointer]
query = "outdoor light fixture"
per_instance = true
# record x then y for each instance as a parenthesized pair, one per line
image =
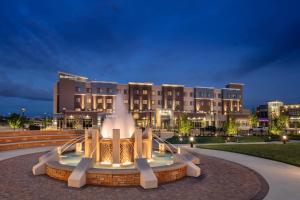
(192, 141)
(284, 139)
(180, 139)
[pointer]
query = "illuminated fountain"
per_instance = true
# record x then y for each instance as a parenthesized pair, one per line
(118, 154)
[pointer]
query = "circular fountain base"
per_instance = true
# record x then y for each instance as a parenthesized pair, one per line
(117, 177)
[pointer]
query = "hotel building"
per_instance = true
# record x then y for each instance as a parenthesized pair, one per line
(80, 102)
(275, 108)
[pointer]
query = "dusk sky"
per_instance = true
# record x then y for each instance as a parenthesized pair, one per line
(195, 43)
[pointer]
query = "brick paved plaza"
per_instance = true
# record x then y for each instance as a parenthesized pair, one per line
(220, 180)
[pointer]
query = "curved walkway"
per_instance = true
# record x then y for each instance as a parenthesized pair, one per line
(283, 179)
(19, 152)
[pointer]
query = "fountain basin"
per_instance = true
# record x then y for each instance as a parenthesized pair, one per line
(117, 176)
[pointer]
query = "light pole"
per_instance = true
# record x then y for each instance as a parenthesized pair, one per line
(284, 139)
(192, 141)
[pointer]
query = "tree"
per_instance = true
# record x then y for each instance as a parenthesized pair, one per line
(15, 121)
(254, 120)
(278, 124)
(230, 127)
(184, 125)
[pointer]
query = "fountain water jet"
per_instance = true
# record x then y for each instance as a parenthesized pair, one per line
(120, 120)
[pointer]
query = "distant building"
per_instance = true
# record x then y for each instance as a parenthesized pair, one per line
(277, 108)
(262, 115)
(80, 102)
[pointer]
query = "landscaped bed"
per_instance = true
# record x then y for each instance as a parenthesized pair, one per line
(220, 139)
(287, 153)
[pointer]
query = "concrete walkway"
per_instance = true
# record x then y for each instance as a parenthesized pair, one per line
(19, 152)
(283, 179)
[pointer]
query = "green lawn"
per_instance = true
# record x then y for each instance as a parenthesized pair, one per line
(287, 153)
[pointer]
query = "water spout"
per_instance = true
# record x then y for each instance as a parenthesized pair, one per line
(121, 119)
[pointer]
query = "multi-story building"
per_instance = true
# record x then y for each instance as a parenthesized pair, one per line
(79, 102)
(276, 108)
(293, 113)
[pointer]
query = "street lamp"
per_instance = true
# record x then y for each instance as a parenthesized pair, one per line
(192, 141)
(284, 139)
(180, 139)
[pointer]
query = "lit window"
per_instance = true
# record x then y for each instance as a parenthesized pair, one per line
(78, 99)
(136, 101)
(89, 100)
(153, 93)
(126, 101)
(153, 102)
(145, 101)
(145, 92)
(169, 93)
(177, 103)
(99, 100)
(108, 100)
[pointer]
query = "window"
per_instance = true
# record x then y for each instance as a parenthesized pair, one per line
(88, 90)
(177, 93)
(177, 103)
(145, 102)
(108, 90)
(99, 109)
(137, 92)
(158, 102)
(89, 100)
(169, 103)
(99, 90)
(125, 91)
(109, 110)
(78, 89)
(136, 101)
(145, 92)
(125, 101)
(158, 93)
(153, 93)
(184, 94)
(191, 103)
(169, 93)
(78, 99)
(108, 100)
(77, 109)
(99, 100)
(152, 102)
(219, 95)
(191, 94)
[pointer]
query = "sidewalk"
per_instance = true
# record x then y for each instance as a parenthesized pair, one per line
(283, 179)
(19, 152)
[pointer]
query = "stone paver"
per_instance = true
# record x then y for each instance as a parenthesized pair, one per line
(283, 179)
(221, 179)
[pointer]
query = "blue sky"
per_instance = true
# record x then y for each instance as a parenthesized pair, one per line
(203, 43)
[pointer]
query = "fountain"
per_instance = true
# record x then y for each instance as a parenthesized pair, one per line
(118, 154)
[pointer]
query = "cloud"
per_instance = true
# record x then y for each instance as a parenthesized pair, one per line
(282, 50)
(9, 88)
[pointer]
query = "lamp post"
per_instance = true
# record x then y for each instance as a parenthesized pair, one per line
(284, 139)
(192, 141)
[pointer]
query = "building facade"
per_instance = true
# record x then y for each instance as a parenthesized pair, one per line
(276, 108)
(80, 102)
